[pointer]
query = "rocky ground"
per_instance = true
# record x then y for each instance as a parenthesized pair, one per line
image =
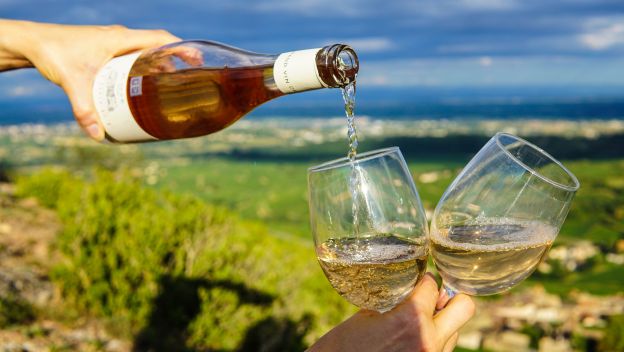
(31, 315)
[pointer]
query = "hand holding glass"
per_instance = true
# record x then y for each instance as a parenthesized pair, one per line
(499, 217)
(369, 227)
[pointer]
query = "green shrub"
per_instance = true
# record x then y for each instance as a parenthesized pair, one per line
(179, 274)
(46, 185)
(535, 333)
(613, 339)
(15, 311)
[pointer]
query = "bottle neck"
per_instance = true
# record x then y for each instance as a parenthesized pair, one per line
(337, 65)
(328, 67)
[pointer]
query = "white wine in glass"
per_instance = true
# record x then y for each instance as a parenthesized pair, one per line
(374, 271)
(369, 228)
(497, 220)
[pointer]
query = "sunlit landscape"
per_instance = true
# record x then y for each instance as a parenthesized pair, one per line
(205, 244)
(244, 192)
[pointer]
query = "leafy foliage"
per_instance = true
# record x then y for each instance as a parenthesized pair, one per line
(14, 311)
(614, 335)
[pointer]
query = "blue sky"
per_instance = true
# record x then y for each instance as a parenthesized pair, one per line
(404, 43)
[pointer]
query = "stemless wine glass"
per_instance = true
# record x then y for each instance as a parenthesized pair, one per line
(499, 217)
(369, 227)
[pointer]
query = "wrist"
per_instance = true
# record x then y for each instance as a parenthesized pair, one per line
(16, 41)
(352, 334)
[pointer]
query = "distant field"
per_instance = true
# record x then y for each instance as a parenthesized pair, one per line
(603, 279)
(275, 193)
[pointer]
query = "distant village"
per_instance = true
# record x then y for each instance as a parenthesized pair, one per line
(249, 133)
(506, 324)
(502, 325)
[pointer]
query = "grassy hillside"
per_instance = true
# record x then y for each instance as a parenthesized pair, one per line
(175, 273)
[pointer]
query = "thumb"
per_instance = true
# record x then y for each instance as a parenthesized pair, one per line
(456, 313)
(79, 92)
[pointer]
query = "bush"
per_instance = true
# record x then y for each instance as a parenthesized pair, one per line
(179, 274)
(614, 335)
(45, 185)
(15, 311)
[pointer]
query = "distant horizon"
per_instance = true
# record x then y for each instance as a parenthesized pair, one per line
(402, 103)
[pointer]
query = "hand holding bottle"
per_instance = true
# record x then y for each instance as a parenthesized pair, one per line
(183, 90)
(71, 56)
(413, 325)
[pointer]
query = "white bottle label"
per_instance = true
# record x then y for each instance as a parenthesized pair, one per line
(296, 71)
(111, 102)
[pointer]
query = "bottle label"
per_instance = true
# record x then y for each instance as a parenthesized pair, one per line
(296, 71)
(111, 101)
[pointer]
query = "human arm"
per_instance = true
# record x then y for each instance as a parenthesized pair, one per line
(71, 56)
(413, 325)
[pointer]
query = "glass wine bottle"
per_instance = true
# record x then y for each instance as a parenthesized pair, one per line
(194, 88)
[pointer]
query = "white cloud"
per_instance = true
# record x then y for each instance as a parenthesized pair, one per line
(451, 9)
(29, 90)
(84, 14)
(26, 83)
(90, 14)
(466, 48)
(348, 8)
(20, 91)
(376, 80)
(603, 33)
(4, 3)
(415, 9)
(485, 61)
(489, 4)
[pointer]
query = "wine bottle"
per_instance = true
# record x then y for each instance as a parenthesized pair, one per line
(194, 88)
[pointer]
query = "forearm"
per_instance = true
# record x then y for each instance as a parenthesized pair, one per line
(15, 38)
